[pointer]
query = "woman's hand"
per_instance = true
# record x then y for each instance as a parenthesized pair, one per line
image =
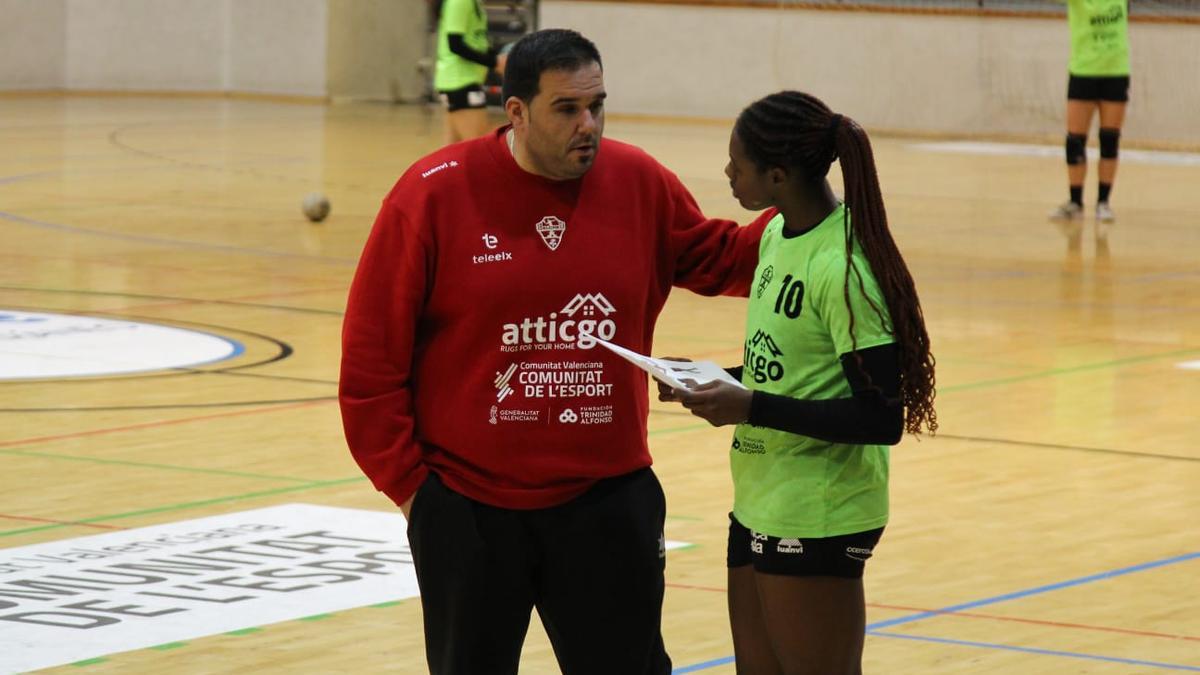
(719, 403)
(667, 393)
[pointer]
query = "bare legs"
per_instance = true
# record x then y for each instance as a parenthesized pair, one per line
(466, 123)
(785, 625)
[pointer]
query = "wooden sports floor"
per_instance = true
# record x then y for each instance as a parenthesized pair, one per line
(1050, 527)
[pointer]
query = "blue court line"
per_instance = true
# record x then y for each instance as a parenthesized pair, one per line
(873, 629)
(26, 176)
(1035, 650)
(166, 241)
(1033, 591)
(702, 666)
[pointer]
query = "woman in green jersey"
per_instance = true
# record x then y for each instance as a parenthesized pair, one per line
(836, 367)
(464, 57)
(1098, 79)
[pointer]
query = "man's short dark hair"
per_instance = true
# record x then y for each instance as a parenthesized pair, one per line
(537, 52)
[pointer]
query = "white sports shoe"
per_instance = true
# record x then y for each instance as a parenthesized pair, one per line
(1104, 213)
(1067, 211)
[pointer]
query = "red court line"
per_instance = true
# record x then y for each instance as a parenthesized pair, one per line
(697, 588)
(60, 522)
(994, 617)
(160, 423)
(1039, 622)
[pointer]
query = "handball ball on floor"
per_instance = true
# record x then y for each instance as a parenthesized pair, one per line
(315, 207)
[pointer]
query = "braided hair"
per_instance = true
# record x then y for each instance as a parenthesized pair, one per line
(800, 134)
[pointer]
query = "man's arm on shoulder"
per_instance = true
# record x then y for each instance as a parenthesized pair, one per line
(712, 256)
(378, 337)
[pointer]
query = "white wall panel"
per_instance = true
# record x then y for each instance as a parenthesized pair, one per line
(161, 45)
(278, 46)
(374, 49)
(940, 74)
(32, 44)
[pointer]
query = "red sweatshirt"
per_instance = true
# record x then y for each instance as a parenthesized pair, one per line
(467, 343)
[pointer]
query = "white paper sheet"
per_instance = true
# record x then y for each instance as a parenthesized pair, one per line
(674, 373)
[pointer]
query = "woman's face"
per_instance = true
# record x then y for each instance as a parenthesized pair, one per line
(751, 186)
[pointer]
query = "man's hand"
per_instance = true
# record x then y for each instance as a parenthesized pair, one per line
(406, 507)
(719, 403)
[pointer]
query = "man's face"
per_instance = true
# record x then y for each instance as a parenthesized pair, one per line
(561, 126)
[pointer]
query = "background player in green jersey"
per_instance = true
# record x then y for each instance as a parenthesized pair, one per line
(464, 57)
(1098, 80)
(838, 365)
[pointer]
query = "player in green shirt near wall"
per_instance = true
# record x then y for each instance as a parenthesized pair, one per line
(464, 57)
(837, 366)
(1098, 80)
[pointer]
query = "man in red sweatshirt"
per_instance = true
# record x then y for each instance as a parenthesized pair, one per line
(474, 393)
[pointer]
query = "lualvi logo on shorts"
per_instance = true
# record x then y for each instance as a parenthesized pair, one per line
(586, 318)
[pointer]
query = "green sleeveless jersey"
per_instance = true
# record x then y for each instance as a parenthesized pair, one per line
(797, 327)
(468, 18)
(1099, 37)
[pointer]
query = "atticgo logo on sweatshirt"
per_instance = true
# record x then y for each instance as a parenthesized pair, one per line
(577, 324)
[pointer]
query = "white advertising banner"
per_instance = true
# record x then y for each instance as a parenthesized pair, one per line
(71, 600)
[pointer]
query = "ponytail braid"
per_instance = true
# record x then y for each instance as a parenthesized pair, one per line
(798, 132)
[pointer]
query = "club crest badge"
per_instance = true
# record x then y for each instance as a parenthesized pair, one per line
(551, 230)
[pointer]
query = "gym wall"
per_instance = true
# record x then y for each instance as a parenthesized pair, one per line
(355, 49)
(918, 73)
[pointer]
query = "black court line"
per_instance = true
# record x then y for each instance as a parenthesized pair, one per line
(114, 138)
(173, 406)
(1058, 446)
(146, 296)
(264, 376)
(171, 243)
(1031, 444)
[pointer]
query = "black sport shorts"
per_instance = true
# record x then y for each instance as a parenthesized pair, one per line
(1083, 88)
(470, 96)
(841, 556)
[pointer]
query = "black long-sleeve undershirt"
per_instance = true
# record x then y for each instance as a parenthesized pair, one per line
(458, 45)
(873, 415)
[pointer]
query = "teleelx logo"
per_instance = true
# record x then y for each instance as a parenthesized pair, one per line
(586, 319)
(490, 242)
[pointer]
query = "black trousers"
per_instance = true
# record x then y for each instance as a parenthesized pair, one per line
(592, 567)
